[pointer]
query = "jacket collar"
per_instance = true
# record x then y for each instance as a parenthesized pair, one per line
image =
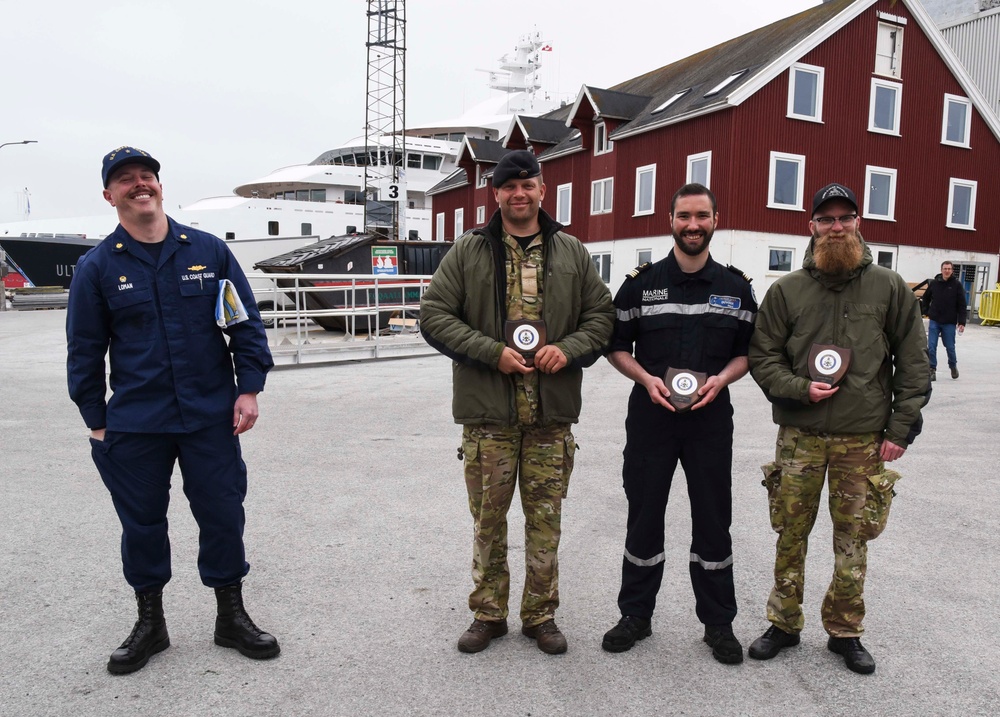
(706, 274)
(121, 242)
(494, 228)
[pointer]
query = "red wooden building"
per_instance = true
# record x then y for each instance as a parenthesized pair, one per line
(863, 92)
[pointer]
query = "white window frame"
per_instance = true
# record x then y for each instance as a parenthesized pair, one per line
(459, 222)
(609, 181)
(639, 171)
(692, 158)
(602, 143)
(952, 184)
(602, 261)
(800, 160)
(480, 215)
(640, 259)
(867, 212)
(480, 177)
(564, 201)
(792, 81)
(898, 88)
(955, 99)
(886, 28)
(791, 260)
(439, 225)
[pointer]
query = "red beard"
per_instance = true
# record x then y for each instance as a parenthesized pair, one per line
(837, 256)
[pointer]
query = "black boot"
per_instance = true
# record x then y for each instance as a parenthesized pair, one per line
(148, 637)
(234, 628)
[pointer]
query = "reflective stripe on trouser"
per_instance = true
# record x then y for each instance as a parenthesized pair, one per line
(539, 461)
(804, 461)
(136, 469)
(703, 445)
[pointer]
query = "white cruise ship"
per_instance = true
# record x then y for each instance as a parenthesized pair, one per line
(294, 206)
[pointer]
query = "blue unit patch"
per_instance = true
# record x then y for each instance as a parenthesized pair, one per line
(724, 302)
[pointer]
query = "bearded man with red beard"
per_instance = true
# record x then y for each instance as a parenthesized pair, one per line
(840, 351)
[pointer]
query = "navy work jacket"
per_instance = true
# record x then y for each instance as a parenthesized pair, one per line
(171, 367)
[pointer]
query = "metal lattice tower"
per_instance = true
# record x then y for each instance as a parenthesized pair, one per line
(385, 119)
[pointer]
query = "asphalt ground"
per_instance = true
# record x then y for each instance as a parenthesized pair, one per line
(359, 538)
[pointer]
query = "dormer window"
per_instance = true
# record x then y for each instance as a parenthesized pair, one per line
(602, 145)
(725, 83)
(888, 50)
(480, 177)
(671, 101)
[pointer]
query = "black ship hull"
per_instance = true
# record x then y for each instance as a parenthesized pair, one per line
(46, 260)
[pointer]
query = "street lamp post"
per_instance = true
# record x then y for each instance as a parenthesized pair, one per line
(23, 141)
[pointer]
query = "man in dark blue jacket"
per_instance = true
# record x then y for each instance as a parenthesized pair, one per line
(146, 296)
(944, 303)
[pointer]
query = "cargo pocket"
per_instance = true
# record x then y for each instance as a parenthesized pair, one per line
(568, 458)
(876, 511)
(772, 482)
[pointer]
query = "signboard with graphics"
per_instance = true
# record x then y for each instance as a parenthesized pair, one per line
(385, 260)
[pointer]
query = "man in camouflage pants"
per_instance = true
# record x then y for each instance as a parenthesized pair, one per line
(844, 416)
(520, 308)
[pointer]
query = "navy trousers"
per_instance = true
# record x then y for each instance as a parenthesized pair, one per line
(703, 443)
(136, 468)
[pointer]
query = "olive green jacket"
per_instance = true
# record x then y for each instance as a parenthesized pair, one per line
(871, 311)
(463, 311)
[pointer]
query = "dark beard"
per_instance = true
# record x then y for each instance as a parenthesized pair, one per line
(837, 258)
(679, 242)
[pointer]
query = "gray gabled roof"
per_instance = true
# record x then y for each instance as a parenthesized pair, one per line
(699, 74)
(485, 150)
(458, 178)
(543, 130)
(614, 104)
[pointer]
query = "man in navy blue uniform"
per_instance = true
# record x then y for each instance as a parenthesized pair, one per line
(146, 296)
(684, 312)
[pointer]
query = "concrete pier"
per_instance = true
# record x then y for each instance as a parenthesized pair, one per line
(359, 538)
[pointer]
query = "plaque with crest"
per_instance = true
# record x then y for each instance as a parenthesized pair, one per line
(829, 364)
(683, 385)
(525, 337)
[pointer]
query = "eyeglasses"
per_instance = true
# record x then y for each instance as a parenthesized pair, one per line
(828, 221)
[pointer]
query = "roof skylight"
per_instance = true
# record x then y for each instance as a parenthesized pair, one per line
(725, 83)
(671, 101)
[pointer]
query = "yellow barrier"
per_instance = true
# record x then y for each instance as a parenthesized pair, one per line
(989, 307)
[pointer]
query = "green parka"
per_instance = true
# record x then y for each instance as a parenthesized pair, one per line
(871, 311)
(463, 311)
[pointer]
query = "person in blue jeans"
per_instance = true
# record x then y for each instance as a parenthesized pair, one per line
(944, 304)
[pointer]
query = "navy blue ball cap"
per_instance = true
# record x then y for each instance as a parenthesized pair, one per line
(834, 191)
(127, 155)
(519, 164)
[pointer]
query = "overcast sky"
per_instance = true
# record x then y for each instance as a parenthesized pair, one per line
(224, 91)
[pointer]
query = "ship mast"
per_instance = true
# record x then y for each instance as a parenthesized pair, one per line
(385, 120)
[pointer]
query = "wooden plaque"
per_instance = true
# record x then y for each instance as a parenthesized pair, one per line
(526, 337)
(829, 364)
(683, 385)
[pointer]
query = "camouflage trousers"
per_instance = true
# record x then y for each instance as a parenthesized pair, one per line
(539, 460)
(795, 483)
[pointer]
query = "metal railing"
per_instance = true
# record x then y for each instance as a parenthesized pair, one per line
(989, 306)
(323, 318)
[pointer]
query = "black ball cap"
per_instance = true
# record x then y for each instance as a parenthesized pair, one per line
(127, 155)
(519, 164)
(834, 191)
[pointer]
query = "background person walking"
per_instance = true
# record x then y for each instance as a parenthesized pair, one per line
(944, 304)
